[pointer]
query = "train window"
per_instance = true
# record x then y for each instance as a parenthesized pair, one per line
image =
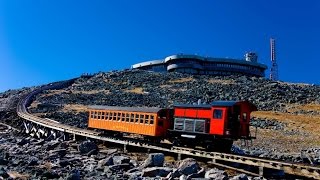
(217, 114)
(123, 117)
(127, 117)
(141, 118)
(94, 114)
(200, 126)
(151, 119)
(91, 114)
(244, 116)
(99, 115)
(132, 117)
(147, 119)
(102, 115)
(114, 116)
(110, 116)
(119, 116)
(107, 115)
(137, 118)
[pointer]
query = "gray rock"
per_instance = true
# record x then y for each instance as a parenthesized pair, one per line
(105, 162)
(216, 174)
(188, 166)
(51, 145)
(87, 146)
(156, 171)
(33, 161)
(240, 177)
(50, 175)
(3, 173)
(119, 167)
(3, 161)
(120, 160)
(23, 141)
(59, 152)
(74, 175)
(199, 174)
(154, 159)
(134, 162)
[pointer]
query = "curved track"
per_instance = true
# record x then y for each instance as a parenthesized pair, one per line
(288, 168)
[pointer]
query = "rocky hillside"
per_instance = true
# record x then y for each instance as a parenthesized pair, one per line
(287, 112)
(286, 120)
(142, 88)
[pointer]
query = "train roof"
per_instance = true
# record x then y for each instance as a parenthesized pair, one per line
(214, 103)
(130, 109)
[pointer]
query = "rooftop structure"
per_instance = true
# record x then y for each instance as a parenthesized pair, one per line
(274, 65)
(194, 64)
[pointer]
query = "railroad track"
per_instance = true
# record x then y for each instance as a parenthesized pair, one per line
(44, 126)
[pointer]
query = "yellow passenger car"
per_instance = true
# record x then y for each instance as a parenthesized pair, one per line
(138, 120)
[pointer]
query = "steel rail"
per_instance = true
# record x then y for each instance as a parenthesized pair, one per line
(289, 168)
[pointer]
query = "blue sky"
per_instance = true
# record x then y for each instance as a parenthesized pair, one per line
(49, 40)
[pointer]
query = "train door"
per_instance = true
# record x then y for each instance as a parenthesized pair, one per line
(236, 120)
(244, 123)
(217, 121)
(162, 122)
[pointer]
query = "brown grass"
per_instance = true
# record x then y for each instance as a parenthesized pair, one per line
(306, 125)
(58, 92)
(306, 107)
(299, 121)
(75, 107)
(137, 90)
(181, 80)
(91, 92)
(16, 175)
(219, 81)
(47, 165)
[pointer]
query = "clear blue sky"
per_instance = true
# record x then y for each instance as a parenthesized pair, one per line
(48, 40)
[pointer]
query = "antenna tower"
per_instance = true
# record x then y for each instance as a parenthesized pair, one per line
(274, 65)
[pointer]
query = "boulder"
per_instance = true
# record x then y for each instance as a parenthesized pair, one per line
(240, 177)
(105, 162)
(156, 171)
(188, 166)
(74, 175)
(120, 160)
(216, 174)
(87, 146)
(154, 160)
(3, 173)
(199, 174)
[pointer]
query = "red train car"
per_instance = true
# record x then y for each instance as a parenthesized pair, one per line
(214, 126)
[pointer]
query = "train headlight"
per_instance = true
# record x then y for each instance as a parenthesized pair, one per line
(227, 132)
